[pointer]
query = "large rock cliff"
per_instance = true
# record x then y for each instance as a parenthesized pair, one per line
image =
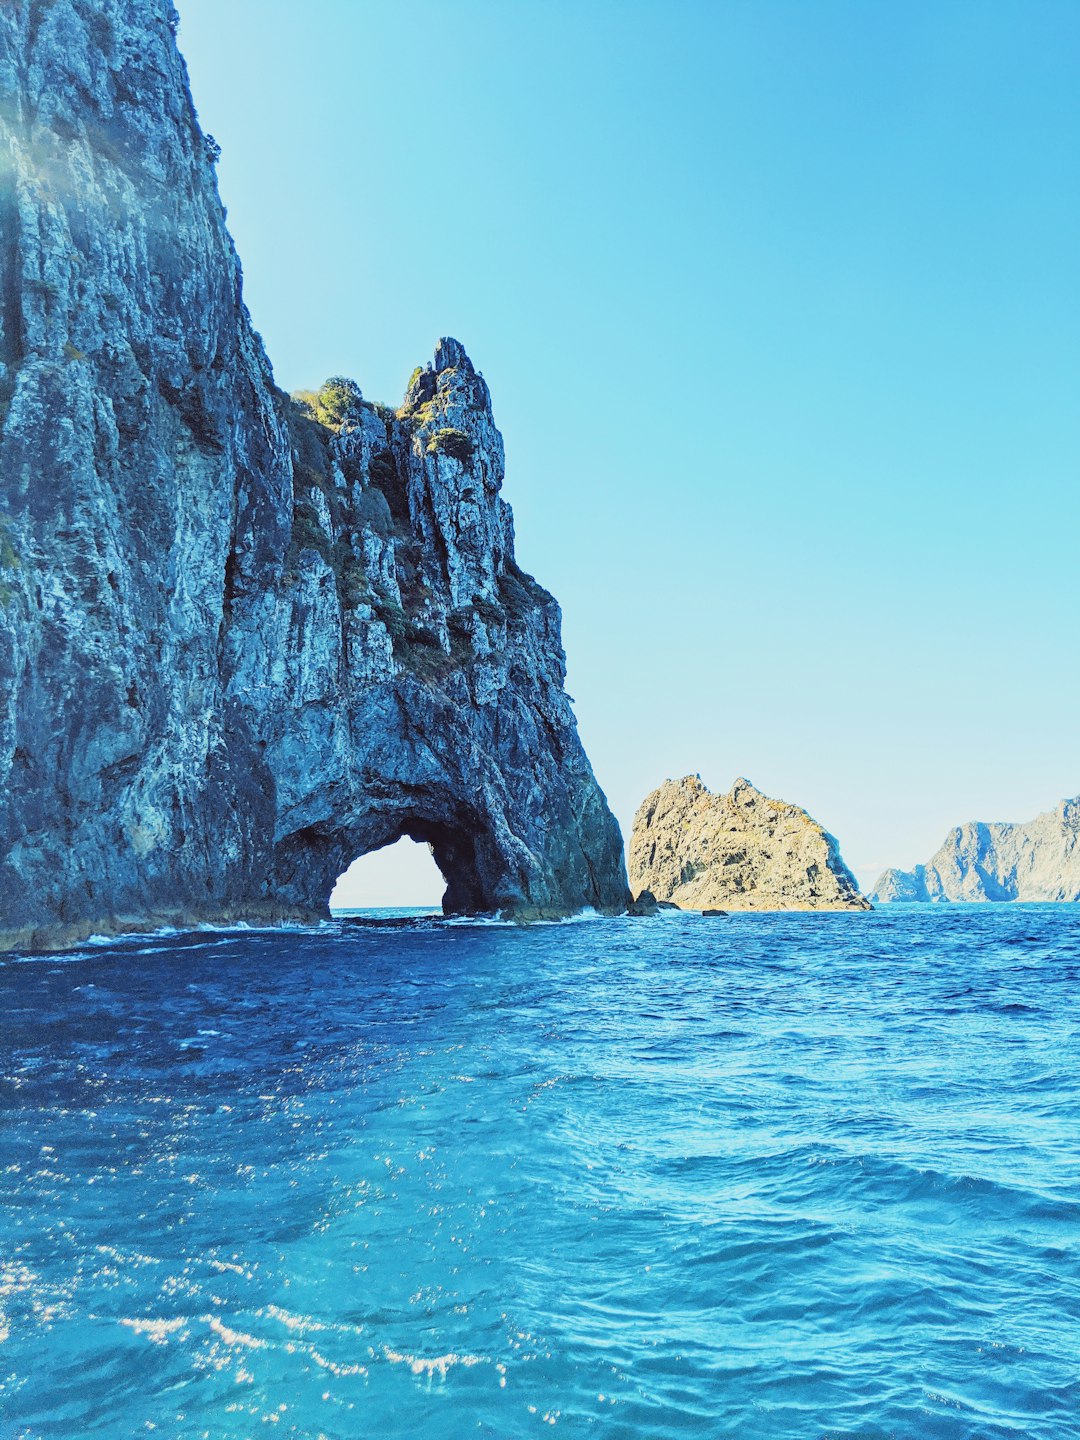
(1039, 860)
(739, 851)
(243, 640)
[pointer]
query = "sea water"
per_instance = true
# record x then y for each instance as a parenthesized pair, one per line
(792, 1176)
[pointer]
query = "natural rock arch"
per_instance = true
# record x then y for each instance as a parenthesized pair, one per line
(241, 636)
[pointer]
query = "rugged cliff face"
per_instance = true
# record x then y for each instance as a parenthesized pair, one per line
(1036, 861)
(242, 640)
(740, 851)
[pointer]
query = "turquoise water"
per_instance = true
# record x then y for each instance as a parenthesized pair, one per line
(777, 1176)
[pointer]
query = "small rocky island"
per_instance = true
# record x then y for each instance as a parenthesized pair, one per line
(739, 851)
(244, 638)
(980, 861)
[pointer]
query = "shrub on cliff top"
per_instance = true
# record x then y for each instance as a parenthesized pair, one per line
(331, 402)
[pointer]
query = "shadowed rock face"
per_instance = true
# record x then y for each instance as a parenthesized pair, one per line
(983, 861)
(238, 647)
(739, 851)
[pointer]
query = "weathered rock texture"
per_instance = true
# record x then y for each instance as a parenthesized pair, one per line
(239, 645)
(739, 851)
(978, 861)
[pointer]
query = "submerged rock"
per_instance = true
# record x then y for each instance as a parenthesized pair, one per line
(739, 851)
(243, 638)
(979, 861)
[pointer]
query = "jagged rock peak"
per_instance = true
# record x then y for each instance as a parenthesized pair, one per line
(981, 861)
(244, 638)
(451, 379)
(450, 354)
(739, 851)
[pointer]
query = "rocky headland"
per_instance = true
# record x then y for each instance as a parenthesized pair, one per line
(980, 861)
(244, 638)
(739, 851)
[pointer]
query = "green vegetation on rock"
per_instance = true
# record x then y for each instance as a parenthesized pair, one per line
(9, 556)
(393, 617)
(9, 560)
(452, 442)
(307, 533)
(331, 402)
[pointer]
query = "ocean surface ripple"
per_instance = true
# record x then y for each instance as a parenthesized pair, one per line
(811, 1177)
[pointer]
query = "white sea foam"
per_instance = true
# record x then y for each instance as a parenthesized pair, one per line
(67, 957)
(471, 921)
(431, 1366)
(584, 916)
(156, 1331)
(333, 1367)
(234, 1337)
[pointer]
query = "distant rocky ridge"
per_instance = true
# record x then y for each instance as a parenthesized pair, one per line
(243, 640)
(739, 851)
(1039, 860)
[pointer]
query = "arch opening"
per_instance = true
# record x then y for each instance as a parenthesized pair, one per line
(402, 875)
(470, 871)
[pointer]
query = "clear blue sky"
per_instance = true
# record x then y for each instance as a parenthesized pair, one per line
(779, 303)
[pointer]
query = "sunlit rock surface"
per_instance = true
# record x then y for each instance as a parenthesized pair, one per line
(1039, 860)
(739, 851)
(239, 645)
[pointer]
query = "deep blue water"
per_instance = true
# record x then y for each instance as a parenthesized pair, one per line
(803, 1177)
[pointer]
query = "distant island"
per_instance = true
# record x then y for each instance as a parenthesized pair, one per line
(739, 851)
(980, 861)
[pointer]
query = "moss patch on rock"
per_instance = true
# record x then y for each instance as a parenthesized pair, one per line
(451, 441)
